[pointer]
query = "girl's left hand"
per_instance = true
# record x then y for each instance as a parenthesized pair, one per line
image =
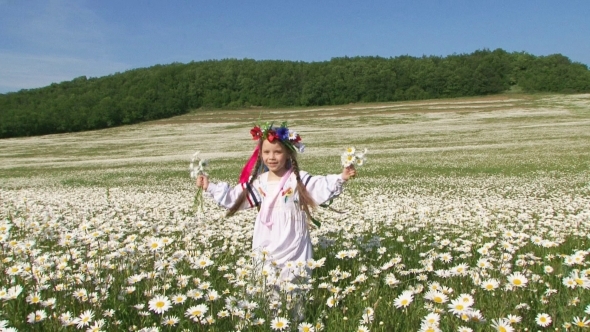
(348, 172)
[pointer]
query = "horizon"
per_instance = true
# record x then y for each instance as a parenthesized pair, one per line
(45, 42)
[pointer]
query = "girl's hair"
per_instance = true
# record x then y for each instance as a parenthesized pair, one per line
(306, 202)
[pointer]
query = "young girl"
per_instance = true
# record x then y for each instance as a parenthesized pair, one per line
(284, 195)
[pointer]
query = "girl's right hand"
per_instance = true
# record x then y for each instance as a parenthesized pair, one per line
(202, 182)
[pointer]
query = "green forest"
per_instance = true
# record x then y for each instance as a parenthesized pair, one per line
(163, 91)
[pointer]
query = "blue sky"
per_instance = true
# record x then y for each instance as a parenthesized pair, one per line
(46, 41)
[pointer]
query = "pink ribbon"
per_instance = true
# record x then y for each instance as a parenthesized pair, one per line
(269, 201)
(247, 170)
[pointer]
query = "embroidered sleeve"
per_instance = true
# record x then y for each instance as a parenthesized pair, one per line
(225, 196)
(323, 188)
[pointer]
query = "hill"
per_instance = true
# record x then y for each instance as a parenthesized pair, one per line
(163, 91)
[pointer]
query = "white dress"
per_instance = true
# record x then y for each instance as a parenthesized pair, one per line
(287, 239)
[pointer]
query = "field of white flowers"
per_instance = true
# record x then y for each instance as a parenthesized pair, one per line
(469, 215)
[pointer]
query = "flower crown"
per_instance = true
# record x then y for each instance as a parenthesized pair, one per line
(288, 137)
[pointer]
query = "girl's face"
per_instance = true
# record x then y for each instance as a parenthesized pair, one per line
(274, 157)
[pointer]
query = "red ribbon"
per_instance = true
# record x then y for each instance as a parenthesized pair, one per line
(247, 170)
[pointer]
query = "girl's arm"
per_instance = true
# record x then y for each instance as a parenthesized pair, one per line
(226, 196)
(325, 188)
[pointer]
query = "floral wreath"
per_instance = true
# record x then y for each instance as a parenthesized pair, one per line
(289, 137)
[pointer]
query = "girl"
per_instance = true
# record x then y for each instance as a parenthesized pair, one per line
(283, 194)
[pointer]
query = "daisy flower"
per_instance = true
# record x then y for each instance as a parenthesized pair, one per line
(431, 319)
(502, 325)
(425, 327)
(467, 299)
(404, 299)
(84, 319)
(514, 319)
(66, 319)
(362, 328)
(305, 327)
(543, 320)
(212, 295)
(569, 282)
(517, 279)
(460, 270)
(279, 323)
(195, 312)
(14, 270)
(476, 316)
(37, 316)
(391, 280)
(445, 257)
(332, 301)
(154, 244)
(97, 326)
(580, 280)
(436, 296)
(457, 306)
(352, 157)
(319, 326)
(33, 298)
(159, 304)
(581, 322)
(178, 298)
(13, 292)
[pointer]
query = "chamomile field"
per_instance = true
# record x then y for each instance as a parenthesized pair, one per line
(469, 214)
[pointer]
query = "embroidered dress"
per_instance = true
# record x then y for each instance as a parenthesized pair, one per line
(284, 234)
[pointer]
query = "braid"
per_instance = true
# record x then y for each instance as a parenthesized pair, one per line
(240, 201)
(305, 199)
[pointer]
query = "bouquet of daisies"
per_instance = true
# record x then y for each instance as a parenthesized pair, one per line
(197, 167)
(349, 158)
(352, 157)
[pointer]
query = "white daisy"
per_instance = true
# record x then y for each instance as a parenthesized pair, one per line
(279, 323)
(543, 320)
(159, 304)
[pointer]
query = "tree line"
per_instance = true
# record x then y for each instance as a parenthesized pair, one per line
(163, 91)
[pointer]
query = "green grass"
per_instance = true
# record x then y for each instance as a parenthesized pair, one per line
(436, 182)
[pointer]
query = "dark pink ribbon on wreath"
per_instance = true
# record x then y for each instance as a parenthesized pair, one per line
(247, 170)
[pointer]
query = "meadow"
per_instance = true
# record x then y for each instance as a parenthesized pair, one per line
(470, 214)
